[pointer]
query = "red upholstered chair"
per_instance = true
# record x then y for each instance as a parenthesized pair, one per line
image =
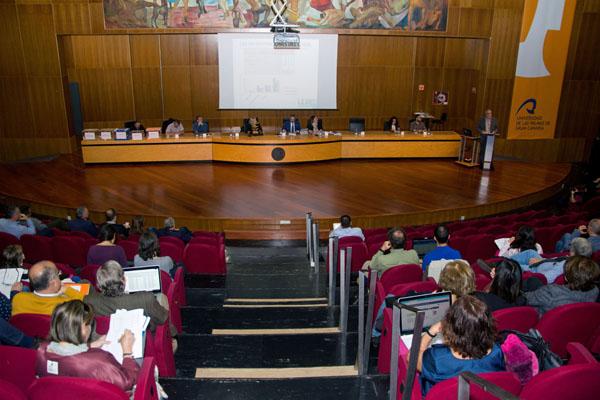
(461, 243)
(69, 388)
(368, 232)
(81, 234)
(7, 239)
(145, 387)
(36, 248)
(89, 272)
(555, 255)
(479, 246)
(172, 250)
(596, 256)
(212, 240)
(520, 319)
(401, 274)
(204, 259)
(165, 282)
(17, 365)
(10, 391)
(133, 238)
(560, 280)
(102, 324)
(378, 239)
(163, 350)
(130, 247)
(570, 323)
(385, 352)
(349, 239)
(482, 281)
(65, 269)
(32, 324)
(402, 289)
(448, 389)
(69, 250)
(174, 308)
(529, 274)
(180, 281)
(578, 381)
(173, 240)
(592, 206)
(373, 248)
(578, 354)
(359, 254)
(494, 230)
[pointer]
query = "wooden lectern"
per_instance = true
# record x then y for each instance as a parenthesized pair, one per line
(469, 151)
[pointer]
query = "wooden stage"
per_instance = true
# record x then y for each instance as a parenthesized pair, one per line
(272, 149)
(270, 201)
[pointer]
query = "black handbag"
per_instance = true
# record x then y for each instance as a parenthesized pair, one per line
(534, 341)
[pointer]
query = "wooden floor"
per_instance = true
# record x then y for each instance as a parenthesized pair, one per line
(260, 201)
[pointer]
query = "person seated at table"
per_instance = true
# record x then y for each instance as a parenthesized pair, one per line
(69, 352)
(418, 124)
(252, 126)
(107, 249)
(137, 126)
(291, 125)
(175, 127)
(392, 125)
(469, 344)
(314, 124)
(199, 126)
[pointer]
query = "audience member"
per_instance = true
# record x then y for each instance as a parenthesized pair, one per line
(40, 227)
(107, 249)
(47, 291)
(169, 229)
(418, 124)
(458, 278)
(16, 223)
(314, 124)
(10, 273)
(291, 125)
(523, 247)
(11, 336)
(469, 344)
(81, 223)
(111, 219)
(199, 126)
(581, 274)
(149, 254)
(506, 289)
(392, 125)
(345, 229)
(592, 231)
(443, 251)
(554, 267)
(110, 282)
(70, 353)
(174, 128)
(252, 126)
(392, 253)
(137, 225)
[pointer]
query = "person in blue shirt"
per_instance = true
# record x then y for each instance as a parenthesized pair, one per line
(199, 126)
(443, 251)
(346, 229)
(469, 335)
(592, 231)
(291, 125)
(16, 223)
(82, 223)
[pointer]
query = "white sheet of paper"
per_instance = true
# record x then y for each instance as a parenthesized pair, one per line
(153, 134)
(502, 243)
(106, 135)
(136, 322)
(89, 136)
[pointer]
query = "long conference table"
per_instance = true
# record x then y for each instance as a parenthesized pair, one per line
(273, 148)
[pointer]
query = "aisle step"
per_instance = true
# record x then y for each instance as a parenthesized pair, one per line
(276, 300)
(287, 305)
(293, 331)
(276, 373)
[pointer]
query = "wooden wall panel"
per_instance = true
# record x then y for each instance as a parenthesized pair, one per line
(177, 94)
(145, 50)
(71, 17)
(10, 41)
(14, 101)
(40, 46)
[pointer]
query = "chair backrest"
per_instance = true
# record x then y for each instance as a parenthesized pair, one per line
(130, 248)
(165, 282)
(163, 350)
(479, 246)
(55, 387)
(356, 124)
(520, 319)
(180, 280)
(69, 250)
(81, 234)
(368, 232)
(145, 386)
(65, 269)
(349, 239)
(482, 281)
(528, 274)
(434, 269)
(570, 323)
(37, 325)
(165, 124)
(578, 381)
(36, 248)
(171, 239)
(402, 289)
(17, 365)
(204, 259)
(174, 309)
(89, 272)
(359, 254)
(448, 389)
(212, 240)
(7, 239)
(10, 391)
(102, 324)
(175, 251)
(401, 274)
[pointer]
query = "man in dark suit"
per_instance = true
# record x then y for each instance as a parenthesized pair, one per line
(82, 222)
(291, 125)
(487, 125)
(111, 218)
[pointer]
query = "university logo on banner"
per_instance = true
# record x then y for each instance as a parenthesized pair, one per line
(545, 35)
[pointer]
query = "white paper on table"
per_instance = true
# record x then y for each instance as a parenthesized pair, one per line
(136, 322)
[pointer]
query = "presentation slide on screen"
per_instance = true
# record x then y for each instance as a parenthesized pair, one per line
(254, 75)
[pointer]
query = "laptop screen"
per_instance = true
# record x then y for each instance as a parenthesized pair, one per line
(435, 306)
(424, 246)
(142, 279)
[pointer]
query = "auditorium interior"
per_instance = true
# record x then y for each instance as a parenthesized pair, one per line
(428, 228)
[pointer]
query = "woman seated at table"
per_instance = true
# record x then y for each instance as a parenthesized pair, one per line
(392, 125)
(469, 344)
(70, 353)
(315, 124)
(252, 127)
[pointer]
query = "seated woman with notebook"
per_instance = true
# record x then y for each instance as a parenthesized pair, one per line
(70, 352)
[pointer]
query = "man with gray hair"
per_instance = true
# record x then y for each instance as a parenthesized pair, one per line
(552, 268)
(110, 282)
(169, 229)
(82, 223)
(591, 231)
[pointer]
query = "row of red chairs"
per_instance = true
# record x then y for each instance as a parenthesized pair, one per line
(18, 381)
